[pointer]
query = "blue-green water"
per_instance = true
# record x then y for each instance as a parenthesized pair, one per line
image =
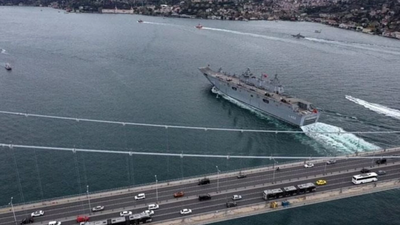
(110, 67)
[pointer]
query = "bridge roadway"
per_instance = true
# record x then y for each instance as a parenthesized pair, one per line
(337, 175)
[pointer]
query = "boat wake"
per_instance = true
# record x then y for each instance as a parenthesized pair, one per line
(336, 139)
(333, 138)
(352, 45)
(316, 40)
(162, 24)
(251, 35)
(376, 107)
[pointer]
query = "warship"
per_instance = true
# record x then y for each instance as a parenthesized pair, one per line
(264, 95)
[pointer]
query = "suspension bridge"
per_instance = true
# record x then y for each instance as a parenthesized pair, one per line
(222, 187)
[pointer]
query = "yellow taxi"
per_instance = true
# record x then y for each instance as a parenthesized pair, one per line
(320, 182)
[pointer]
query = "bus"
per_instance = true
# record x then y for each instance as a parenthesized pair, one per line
(291, 190)
(134, 219)
(365, 178)
(273, 193)
(140, 218)
(304, 188)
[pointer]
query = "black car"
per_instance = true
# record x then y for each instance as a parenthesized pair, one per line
(204, 197)
(381, 161)
(204, 181)
(364, 170)
(27, 220)
(231, 204)
(381, 172)
(240, 176)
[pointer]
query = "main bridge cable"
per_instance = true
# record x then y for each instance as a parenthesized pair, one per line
(74, 150)
(187, 127)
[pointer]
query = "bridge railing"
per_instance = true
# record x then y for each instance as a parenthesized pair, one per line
(177, 181)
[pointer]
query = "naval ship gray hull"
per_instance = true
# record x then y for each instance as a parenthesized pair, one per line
(291, 110)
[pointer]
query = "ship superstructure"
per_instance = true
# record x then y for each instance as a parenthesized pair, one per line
(263, 94)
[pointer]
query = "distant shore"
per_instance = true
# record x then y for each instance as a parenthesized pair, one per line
(171, 11)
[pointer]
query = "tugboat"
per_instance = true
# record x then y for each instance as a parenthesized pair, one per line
(140, 21)
(298, 36)
(8, 66)
(199, 26)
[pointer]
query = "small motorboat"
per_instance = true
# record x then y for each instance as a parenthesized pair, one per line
(199, 26)
(318, 31)
(298, 36)
(140, 21)
(8, 66)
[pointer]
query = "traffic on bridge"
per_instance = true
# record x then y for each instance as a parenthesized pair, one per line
(183, 199)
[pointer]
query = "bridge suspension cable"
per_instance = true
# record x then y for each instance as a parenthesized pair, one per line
(188, 127)
(130, 153)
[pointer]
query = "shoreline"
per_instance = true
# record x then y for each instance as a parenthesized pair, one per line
(358, 29)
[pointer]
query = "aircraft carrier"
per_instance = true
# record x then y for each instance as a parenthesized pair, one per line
(264, 95)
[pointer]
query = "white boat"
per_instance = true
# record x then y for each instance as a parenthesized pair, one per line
(8, 66)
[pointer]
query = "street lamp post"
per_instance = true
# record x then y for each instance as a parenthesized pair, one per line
(273, 177)
(217, 179)
(12, 208)
(156, 188)
(87, 192)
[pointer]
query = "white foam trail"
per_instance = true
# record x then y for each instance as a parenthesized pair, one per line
(340, 141)
(153, 23)
(376, 107)
(3, 51)
(244, 33)
(338, 43)
(353, 45)
(162, 24)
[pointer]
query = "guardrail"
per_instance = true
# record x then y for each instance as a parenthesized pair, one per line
(173, 182)
(295, 201)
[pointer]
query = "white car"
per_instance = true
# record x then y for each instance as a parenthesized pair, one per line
(308, 165)
(237, 197)
(150, 212)
(125, 213)
(54, 223)
(140, 196)
(37, 213)
(186, 211)
(98, 208)
(153, 206)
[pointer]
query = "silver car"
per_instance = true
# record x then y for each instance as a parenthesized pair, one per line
(98, 208)
(331, 161)
(236, 197)
(37, 213)
(125, 213)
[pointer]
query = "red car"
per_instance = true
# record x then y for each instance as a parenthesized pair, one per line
(80, 219)
(179, 194)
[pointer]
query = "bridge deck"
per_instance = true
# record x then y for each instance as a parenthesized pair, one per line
(221, 189)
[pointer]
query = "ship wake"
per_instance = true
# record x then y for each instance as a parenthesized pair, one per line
(244, 33)
(336, 139)
(380, 49)
(376, 107)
